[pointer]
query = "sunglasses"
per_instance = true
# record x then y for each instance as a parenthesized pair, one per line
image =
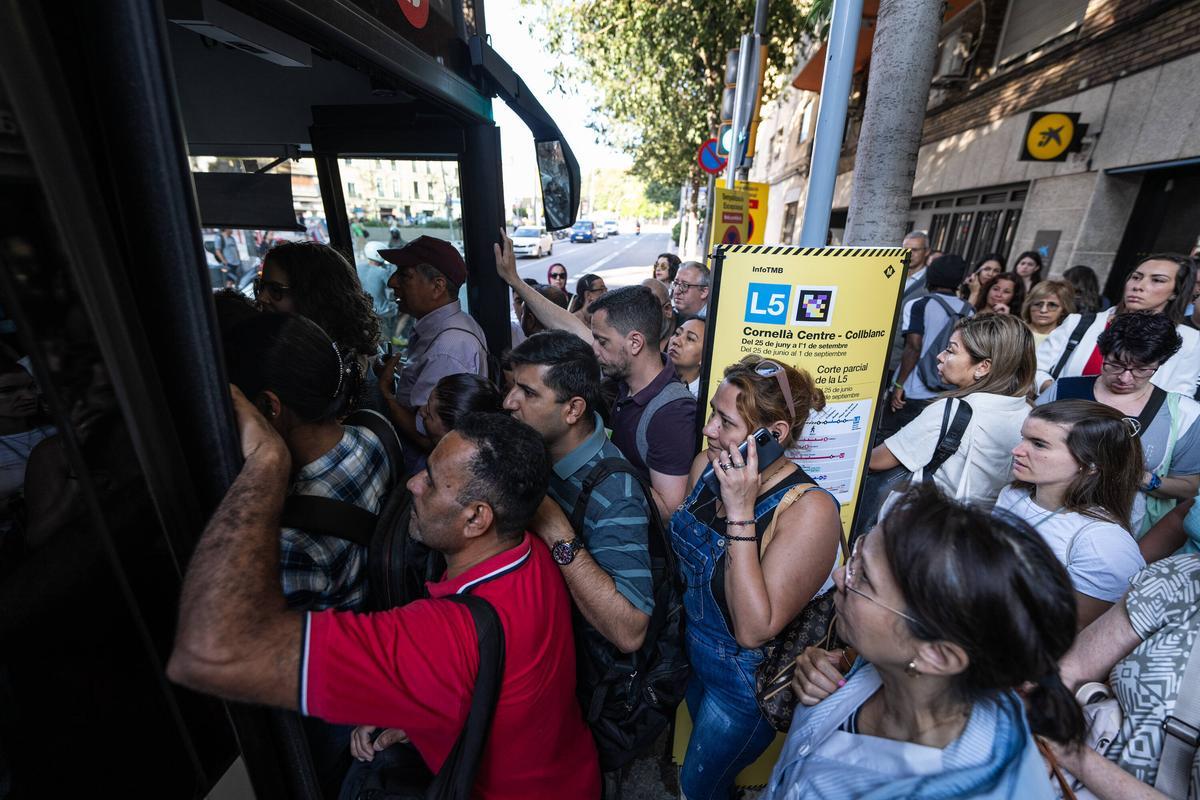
(773, 369)
(274, 289)
(554, 275)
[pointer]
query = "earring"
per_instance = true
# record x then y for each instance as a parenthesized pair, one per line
(911, 669)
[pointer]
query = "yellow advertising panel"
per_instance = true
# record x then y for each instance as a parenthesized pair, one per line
(827, 310)
(730, 219)
(756, 206)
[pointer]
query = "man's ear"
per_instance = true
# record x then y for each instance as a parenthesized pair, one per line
(477, 518)
(575, 410)
(268, 404)
(637, 342)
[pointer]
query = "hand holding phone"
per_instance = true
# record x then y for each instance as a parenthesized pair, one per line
(769, 451)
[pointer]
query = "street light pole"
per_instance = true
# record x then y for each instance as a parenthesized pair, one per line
(831, 120)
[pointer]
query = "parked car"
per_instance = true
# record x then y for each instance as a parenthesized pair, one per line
(529, 240)
(583, 231)
(610, 227)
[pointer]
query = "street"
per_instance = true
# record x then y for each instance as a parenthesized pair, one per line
(623, 260)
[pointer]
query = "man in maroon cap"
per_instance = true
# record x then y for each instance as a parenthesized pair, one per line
(445, 340)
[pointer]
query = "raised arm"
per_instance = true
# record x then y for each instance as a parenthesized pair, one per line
(546, 311)
(236, 637)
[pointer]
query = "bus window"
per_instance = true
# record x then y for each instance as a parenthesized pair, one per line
(235, 258)
(88, 580)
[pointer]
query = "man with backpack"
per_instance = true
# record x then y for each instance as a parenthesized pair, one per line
(601, 530)
(926, 324)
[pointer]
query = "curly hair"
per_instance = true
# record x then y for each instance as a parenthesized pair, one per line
(761, 401)
(326, 289)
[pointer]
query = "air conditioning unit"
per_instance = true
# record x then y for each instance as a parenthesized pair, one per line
(954, 57)
(228, 26)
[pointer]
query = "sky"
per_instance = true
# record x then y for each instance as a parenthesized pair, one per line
(518, 42)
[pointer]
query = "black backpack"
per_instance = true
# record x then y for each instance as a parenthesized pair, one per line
(397, 566)
(927, 366)
(628, 699)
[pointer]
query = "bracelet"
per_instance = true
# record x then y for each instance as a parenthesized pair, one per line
(742, 538)
(897, 385)
(740, 521)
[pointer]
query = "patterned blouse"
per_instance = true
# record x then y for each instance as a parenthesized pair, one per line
(1164, 608)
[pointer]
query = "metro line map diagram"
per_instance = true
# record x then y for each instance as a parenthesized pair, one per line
(830, 447)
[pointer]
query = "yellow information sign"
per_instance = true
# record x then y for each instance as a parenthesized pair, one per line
(1051, 135)
(730, 219)
(756, 206)
(827, 310)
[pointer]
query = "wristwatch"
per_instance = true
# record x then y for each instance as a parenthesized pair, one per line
(1153, 484)
(564, 551)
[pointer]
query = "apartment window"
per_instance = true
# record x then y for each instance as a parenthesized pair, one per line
(351, 189)
(1032, 23)
(395, 186)
(805, 122)
(379, 186)
(416, 190)
(789, 223)
(776, 145)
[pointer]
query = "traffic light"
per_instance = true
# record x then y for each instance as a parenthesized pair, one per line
(728, 103)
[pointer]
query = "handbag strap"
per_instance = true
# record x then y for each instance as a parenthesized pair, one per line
(793, 494)
(949, 438)
(1081, 328)
(456, 778)
(1181, 732)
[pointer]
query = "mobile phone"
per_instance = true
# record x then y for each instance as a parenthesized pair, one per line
(769, 451)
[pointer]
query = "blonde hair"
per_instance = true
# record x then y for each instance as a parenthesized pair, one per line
(1061, 291)
(760, 398)
(1008, 343)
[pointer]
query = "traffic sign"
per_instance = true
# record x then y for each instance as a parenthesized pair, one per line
(710, 159)
(725, 138)
(1051, 135)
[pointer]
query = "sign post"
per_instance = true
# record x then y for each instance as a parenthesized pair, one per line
(828, 310)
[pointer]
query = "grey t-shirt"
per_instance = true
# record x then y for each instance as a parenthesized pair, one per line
(445, 341)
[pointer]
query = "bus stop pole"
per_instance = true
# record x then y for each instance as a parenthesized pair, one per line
(831, 120)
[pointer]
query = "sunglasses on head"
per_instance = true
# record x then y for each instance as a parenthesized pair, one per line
(274, 289)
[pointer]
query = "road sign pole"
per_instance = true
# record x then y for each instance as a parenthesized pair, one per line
(831, 120)
(706, 234)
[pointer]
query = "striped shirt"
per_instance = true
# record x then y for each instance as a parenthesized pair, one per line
(616, 521)
(320, 571)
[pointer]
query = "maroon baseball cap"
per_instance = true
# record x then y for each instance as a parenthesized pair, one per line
(437, 253)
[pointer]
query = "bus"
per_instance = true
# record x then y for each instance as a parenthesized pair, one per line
(138, 138)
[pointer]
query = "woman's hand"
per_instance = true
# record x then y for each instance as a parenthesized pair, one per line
(817, 675)
(506, 262)
(739, 481)
(1000, 308)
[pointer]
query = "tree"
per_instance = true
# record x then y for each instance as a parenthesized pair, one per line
(657, 68)
(902, 56)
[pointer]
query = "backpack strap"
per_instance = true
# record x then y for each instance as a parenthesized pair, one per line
(1081, 328)
(329, 517)
(605, 468)
(1150, 411)
(949, 438)
(456, 778)
(675, 390)
(379, 425)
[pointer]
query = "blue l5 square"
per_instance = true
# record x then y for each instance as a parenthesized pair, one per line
(767, 303)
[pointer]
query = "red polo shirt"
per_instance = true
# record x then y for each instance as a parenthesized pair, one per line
(414, 668)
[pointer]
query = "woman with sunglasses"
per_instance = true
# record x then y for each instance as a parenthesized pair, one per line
(315, 281)
(1046, 306)
(1160, 284)
(950, 612)
(738, 598)
(556, 276)
(1132, 349)
(990, 362)
(665, 267)
(587, 289)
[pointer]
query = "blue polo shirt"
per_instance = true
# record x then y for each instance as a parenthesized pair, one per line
(616, 522)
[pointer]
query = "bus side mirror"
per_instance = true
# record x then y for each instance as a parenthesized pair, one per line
(560, 194)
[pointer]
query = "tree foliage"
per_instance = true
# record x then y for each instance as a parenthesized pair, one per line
(657, 67)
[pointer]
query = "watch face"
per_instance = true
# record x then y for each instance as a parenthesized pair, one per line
(563, 552)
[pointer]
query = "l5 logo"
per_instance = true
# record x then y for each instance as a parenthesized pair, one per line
(415, 11)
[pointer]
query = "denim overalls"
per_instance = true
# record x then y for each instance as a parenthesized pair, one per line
(728, 731)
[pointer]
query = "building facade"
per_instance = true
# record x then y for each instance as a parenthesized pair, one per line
(1129, 68)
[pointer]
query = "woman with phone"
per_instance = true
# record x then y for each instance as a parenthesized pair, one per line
(738, 597)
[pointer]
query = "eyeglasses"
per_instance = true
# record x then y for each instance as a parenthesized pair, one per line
(681, 286)
(1117, 368)
(1047, 305)
(275, 289)
(852, 578)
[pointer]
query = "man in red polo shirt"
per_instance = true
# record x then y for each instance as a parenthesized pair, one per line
(411, 668)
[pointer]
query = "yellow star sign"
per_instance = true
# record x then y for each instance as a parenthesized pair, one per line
(1050, 136)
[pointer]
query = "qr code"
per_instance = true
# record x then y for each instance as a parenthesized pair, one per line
(814, 306)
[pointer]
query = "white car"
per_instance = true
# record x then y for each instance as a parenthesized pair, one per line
(531, 241)
(610, 227)
(601, 231)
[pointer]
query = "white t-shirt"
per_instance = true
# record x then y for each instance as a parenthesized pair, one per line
(983, 463)
(1101, 557)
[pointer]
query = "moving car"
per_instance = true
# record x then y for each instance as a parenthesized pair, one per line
(584, 231)
(601, 231)
(610, 227)
(530, 240)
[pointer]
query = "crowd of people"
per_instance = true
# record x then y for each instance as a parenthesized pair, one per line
(1016, 612)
